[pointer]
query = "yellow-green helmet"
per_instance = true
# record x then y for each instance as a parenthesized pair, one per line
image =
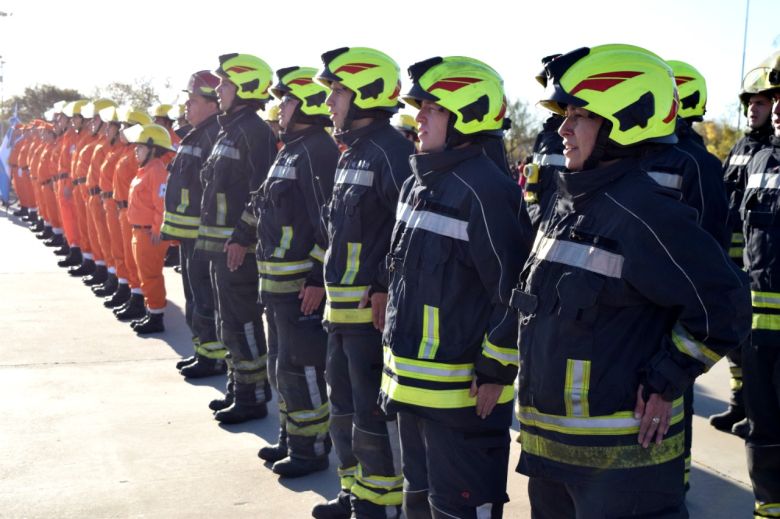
(74, 107)
(129, 115)
(761, 80)
(109, 115)
(630, 87)
(471, 90)
(160, 110)
(299, 83)
(405, 122)
(150, 135)
(371, 75)
(691, 90)
(250, 74)
(91, 109)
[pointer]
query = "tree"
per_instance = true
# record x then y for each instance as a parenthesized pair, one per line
(719, 136)
(519, 139)
(37, 99)
(140, 94)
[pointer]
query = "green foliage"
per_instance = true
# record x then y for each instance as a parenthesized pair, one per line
(719, 136)
(36, 100)
(140, 94)
(519, 139)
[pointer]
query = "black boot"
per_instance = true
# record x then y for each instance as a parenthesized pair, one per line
(86, 268)
(119, 297)
(219, 404)
(153, 325)
(274, 453)
(31, 216)
(64, 250)
(107, 288)
(133, 309)
(21, 212)
(56, 240)
(339, 508)
(72, 259)
(96, 278)
(46, 233)
(741, 428)
(291, 467)
(726, 420)
(204, 367)
(139, 322)
(241, 412)
(37, 225)
(172, 256)
(186, 361)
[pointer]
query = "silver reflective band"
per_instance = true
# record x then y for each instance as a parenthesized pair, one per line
(403, 211)
(287, 172)
(669, 180)
(230, 152)
(549, 160)
(765, 299)
(570, 422)
(764, 181)
(578, 387)
(438, 224)
(692, 347)
(739, 160)
(580, 255)
(360, 177)
(399, 365)
(195, 151)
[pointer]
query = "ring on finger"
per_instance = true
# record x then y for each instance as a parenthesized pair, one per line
(656, 420)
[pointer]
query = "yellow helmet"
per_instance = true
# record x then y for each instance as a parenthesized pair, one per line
(691, 89)
(761, 80)
(58, 106)
(91, 109)
(150, 135)
(129, 115)
(109, 115)
(371, 75)
(299, 83)
(467, 87)
(74, 107)
(405, 122)
(160, 110)
(176, 112)
(271, 112)
(250, 74)
(630, 87)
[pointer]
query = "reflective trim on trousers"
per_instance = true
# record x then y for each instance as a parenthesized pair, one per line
(212, 350)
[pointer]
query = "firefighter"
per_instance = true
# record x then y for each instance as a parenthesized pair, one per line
(62, 183)
(757, 107)
(145, 205)
(450, 354)
(407, 125)
(292, 239)
(182, 219)
(760, 212)
(623, 302)
(364, 86)
(238, 163)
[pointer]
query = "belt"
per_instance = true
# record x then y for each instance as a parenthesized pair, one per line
(121, 204)
(142, 226)
(106, 194)
(47, 181)
(94, 190)
(77, 181)
(61, 176)
(25, 168)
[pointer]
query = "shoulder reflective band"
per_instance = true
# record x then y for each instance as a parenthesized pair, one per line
(739, 160)
(287, 172)
(433, 222)
(504, 356)
(195, 151)
(549, 160)
(429, 343)
(575, 392)
(184, 201)
(693, 348)
(598, 457)
(579, 255)
(275, 268)
(360, 177)
(669, 180)
(221, 208)
(765, 299)
(764, 181)
(353, 263)
(223, 150)
(284, 242)
(351, 294)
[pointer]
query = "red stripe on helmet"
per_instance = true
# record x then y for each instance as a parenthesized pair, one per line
(681, 80)
(301, 81)
(672, 112)
(604, 81)
(354, 68)
(451, 84)
(238, 69)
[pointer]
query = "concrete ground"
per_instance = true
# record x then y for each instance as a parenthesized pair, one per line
(97, 422)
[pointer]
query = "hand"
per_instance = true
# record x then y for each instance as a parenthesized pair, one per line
(67, 192)
(236, 254)
(378, 307)
(487, 397)
(655, 407)
(311, 298)
(156, 240)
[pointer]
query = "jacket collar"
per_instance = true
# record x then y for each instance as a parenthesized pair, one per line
(290, 137)
(580, 185)
(231, 118)
(427, 166)
(350, 137)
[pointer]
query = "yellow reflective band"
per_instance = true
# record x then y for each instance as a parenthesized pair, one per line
(211, 350)
(215, 232)
(693, 348)
(767, 510)
(179, 232)
(426, 370)
(616, 424)
(284, 242)
(180, 219)
(437, 399)
(766, 322)
(614, 457)
(185, 201)
(429, 343)
(204, 244)
(306, 430)
(351, 294)
(347, 315)
(250, 365)
(273, 286)
(221, 208)
(249, 219)
(253, 378)
(575, 392)
(735, 252)
(387, 498)
(765, 299)
(381, 482)
(346, 477)
(284, 268)
(310, 415)
(737, 238)
(353, 263)
(317, 253)
(505, 356)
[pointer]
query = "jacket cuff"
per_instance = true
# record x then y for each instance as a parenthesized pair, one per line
(493, 372)
(664, 376)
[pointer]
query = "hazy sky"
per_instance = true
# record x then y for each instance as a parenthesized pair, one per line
(83, 44)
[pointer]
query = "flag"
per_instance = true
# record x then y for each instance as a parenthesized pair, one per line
(5, 151)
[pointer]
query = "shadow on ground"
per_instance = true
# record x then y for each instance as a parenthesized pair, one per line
(713, 496)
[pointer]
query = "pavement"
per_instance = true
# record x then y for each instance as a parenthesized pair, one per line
(97, 423)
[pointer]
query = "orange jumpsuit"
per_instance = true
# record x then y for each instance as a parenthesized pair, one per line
(96, 214)
(146, 204)
(126, 168)
(44, 165)
(114, 235)
(67, 145)
(21, 186)
(24, 171)
(79, 169)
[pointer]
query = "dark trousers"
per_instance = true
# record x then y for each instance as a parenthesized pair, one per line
(453, 473)
(199, 307)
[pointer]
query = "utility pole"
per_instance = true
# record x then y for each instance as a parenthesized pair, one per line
(744, 47)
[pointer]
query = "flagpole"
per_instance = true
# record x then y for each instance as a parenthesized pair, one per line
(744, 47)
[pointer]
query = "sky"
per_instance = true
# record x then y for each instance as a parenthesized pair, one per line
(84, 44)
